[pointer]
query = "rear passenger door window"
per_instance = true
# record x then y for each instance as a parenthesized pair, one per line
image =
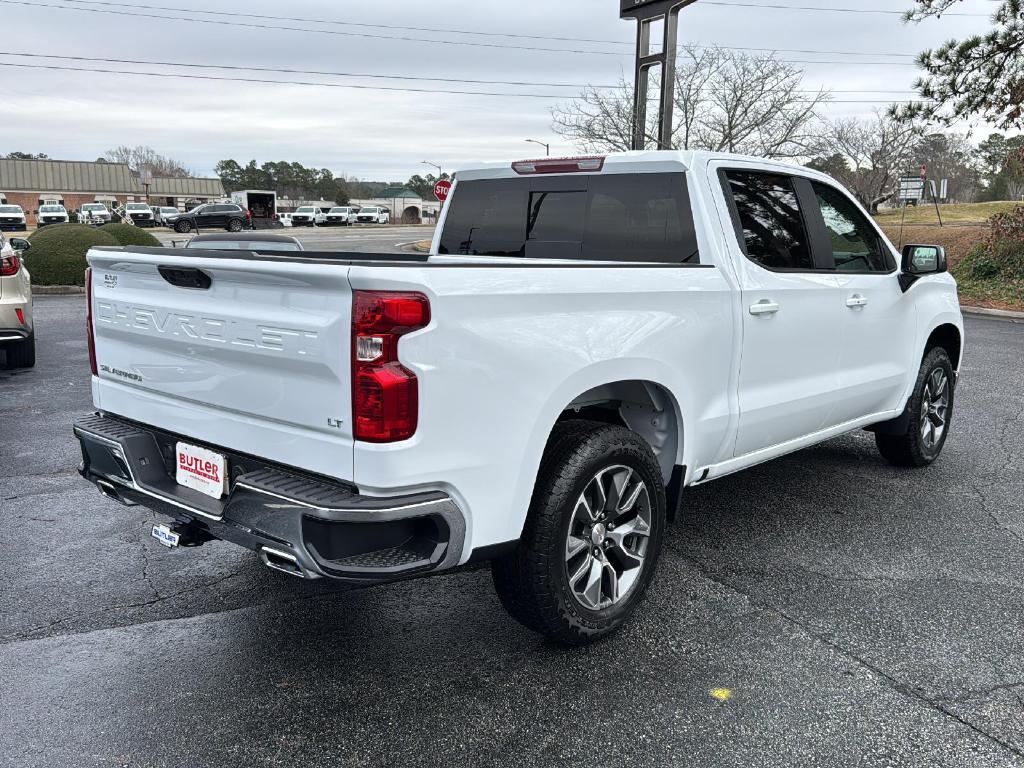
(855, 245)
(769, 220)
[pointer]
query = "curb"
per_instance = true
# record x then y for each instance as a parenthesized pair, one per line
(423, 246)
(57, 290)
(1002, 314)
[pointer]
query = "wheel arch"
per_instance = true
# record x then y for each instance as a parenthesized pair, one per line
(645, 407)
(948, 337)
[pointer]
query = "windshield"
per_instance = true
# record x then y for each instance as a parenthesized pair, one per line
(94, 207)
(367, 210)
(137, 207)
(10, 209)
(339, 210)
(52, 209)
(168, 210)
(306, 209)
(242, 245)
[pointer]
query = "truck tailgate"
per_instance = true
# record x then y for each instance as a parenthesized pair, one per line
(257, 362)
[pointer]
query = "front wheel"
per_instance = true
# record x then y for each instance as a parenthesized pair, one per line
(592, 536)
(930, 409)
(183, 227)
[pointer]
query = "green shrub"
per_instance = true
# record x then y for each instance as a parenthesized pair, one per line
(978, 264)
(57, 256)
(126, 234)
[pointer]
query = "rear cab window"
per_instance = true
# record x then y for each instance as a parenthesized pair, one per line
(643, 218)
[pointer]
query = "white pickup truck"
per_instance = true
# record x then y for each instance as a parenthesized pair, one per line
(587, 337)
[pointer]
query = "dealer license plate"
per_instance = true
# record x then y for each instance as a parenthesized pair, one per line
(166, 536)
(201, 469)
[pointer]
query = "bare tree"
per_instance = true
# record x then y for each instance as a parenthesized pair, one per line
(725, 101)
(143, 158)
(876, 153)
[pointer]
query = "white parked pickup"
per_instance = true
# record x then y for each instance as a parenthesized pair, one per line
(587, 337)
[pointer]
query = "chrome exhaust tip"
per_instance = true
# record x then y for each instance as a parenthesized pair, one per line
(110, 491)
(281, 561)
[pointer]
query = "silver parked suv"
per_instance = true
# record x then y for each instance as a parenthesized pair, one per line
(17, 336)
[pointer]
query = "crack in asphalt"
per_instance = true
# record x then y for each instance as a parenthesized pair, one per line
(38, 632)
(979, 693)
(818, 634)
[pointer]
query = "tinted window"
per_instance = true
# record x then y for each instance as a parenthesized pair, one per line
(614, 217)
(640, 218)
(856, 246)
(772, 225)
(487, 218)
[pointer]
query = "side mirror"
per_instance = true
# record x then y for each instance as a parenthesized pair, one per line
(20, 244)
(920, 260)
(924, 259)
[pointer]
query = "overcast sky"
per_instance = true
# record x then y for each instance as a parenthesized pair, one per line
(377, 134)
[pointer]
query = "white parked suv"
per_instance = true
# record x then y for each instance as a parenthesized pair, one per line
(309, 216)
(17, 332)
(94, 213)
(140, 214)
(343, 216)
(51, 214)
(12, 218)
(587, 337)
(373, 214)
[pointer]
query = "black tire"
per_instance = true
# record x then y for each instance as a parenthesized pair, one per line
(21, 354)
(182, 227)
(913, 448)
(234, 225)
(533, 581)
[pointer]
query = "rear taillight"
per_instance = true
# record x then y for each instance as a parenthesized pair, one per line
(559, 165)
(88, 321)
(9, 266)
(385, 394)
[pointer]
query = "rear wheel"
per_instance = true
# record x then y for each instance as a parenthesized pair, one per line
(592, 536)
(22, 354)
(931, 409)
(235, 225)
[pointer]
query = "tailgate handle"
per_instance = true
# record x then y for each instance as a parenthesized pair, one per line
(186, 277)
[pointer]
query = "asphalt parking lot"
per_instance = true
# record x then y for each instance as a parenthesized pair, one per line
(845, 613)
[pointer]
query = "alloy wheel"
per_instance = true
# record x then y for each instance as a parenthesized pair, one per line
(934, 408)
(608, 537)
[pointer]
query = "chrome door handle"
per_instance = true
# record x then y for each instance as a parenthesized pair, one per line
(856, 301)
(764, 307)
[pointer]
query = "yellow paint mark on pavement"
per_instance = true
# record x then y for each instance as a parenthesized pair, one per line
(721, 694)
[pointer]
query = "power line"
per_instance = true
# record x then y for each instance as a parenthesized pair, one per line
(94, 70)
(484, 33)
(327, 73)
(276, 28)
(64, 68)
(782, 7)
(282, 71)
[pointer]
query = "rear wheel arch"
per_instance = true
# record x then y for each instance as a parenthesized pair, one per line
(645, 407)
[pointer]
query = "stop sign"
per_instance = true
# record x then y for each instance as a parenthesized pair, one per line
(442, 190)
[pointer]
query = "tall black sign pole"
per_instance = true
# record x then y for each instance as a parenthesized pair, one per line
(646, 13)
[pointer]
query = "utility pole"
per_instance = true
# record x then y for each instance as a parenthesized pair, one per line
(646, 13)
(547, 147)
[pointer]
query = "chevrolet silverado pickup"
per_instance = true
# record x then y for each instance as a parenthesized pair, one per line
(587, 337)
